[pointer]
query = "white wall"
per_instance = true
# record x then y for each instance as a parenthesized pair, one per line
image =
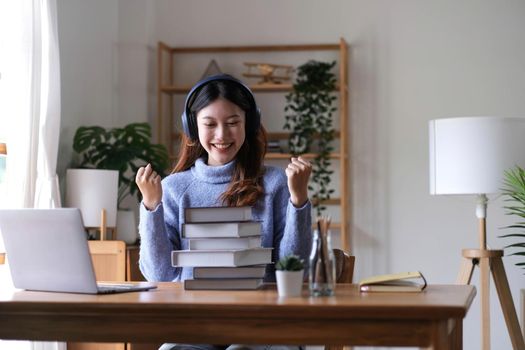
(88, 34)
(411, 61)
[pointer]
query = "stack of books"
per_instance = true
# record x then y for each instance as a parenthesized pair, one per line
(224, 249)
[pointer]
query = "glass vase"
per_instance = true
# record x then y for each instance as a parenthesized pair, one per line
(321, 274)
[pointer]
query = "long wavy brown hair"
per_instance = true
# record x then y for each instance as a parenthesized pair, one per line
(246, 185)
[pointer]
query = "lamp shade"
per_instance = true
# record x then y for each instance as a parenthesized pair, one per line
(469, 155)
(92, 190)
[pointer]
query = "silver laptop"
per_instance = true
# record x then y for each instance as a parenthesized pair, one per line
(47, 250)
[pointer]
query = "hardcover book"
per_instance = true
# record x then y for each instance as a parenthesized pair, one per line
(224, 243)
(240, 257)
(398, 282)
(221, 229)
(223, 284)
(229, 272)
(217, 214)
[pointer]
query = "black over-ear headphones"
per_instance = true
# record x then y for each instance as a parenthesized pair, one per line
(189, 122)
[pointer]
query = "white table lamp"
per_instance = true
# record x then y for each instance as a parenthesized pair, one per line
(470, 155)
(95, 192)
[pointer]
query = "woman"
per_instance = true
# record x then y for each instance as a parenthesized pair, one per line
(221, 164)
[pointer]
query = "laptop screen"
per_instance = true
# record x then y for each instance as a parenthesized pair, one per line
(47, 250)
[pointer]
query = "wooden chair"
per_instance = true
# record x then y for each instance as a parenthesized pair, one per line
(344, 266)
(109, 261)
(344, 272)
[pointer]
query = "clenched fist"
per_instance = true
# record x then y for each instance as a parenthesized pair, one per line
(148, 182)
(298, 173)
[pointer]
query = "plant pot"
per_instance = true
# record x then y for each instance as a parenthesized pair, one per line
(289, 283)
(126, 226)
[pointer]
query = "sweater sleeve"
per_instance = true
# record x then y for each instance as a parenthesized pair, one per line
(159, 236)
(293, 234)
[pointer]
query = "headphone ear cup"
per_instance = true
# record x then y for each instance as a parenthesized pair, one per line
(188, 126)
(185, 127)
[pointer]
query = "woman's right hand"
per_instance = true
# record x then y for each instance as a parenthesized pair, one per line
(148, 182)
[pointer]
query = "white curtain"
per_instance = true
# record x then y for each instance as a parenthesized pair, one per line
(47, 112)
(30, 101)
(30, 109)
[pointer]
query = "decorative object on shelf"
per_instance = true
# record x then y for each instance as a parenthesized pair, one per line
(123, 149)
(469, 155)
(309, 109)
(212, 69)
(321, 273)
(289, 274)
(274, 146)
(514, 191)
(95, 193)
(269, 73)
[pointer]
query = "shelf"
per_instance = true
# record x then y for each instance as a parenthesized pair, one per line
(254, 48)
(284, 156)
(168, 86)
(270, 135)
(333, 226)
(286, 135)
(331, 201)
(305, 155)
(171, 89)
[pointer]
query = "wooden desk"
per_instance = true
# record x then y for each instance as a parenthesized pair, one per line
(170, 314)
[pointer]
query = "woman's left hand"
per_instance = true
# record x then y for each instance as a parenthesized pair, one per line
(298, 173)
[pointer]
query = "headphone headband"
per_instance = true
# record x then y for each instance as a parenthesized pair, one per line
(189, 123)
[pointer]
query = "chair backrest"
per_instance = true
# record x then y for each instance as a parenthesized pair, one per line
(344, 266)
(109, 260)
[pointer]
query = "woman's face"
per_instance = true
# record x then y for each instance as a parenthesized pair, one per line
(221, 127)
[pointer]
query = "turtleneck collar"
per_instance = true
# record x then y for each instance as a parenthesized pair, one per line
(213, 174)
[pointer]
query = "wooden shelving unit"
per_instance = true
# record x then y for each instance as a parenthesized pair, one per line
(167, 87)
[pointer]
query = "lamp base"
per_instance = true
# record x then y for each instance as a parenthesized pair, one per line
(490, 261)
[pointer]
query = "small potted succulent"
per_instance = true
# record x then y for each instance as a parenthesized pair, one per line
(289, 274)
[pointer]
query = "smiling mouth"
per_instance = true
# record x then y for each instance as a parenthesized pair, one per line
(222, 146)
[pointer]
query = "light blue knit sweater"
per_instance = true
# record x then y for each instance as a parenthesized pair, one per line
(284, 227)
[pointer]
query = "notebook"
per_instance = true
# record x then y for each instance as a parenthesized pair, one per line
(47, 250)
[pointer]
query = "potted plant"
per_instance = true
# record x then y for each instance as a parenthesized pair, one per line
(309, 109)
(289, 275)
(514, 192)
(125, 150)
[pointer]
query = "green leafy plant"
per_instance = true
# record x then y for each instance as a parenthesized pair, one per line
(309, 109)
(290, 263)
(514, 190)
(123, 149)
